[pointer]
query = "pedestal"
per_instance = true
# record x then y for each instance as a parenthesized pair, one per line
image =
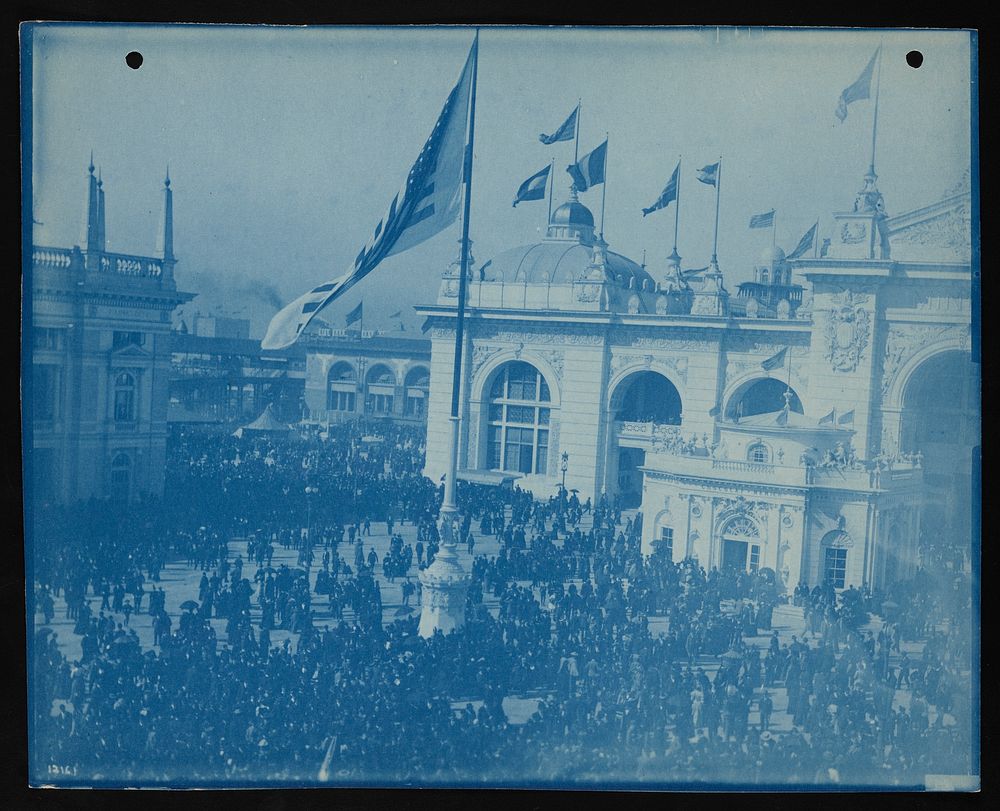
(443, 588)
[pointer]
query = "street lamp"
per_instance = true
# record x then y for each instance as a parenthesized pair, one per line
(564, 466)
(310, 492)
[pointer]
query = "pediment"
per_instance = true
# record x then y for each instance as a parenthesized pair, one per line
(131, 352)
(941, 232)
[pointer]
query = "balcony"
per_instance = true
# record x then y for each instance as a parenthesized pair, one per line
(119, 264)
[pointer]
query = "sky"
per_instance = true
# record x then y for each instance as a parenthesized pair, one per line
(286, 144)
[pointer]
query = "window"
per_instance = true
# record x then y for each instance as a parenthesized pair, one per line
(341, 401)
(518, 434)
(121, 339)
(380, 391)
(665, 545)
(754, 557)
(417, 387)
(758, 453)
(763, 277)
(46, 394)
(835, 567)
(52, 339)
(124, 398)
(380, 404)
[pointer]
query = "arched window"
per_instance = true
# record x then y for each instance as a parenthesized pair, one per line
(124, 398)
(417, 382)
(121, 475)
(741, 545)
(341, 388)
(763, 277)
(518, 434)
(758, 452)
(380, 391)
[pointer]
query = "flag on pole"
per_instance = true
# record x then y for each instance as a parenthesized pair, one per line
(589, 170)
(534, 187)
(765, 220)
(565, 132)
(861, 89)
(428, 202)
(775, 361)
(709, 174)
(667, 196)
(694, 271)
(846, 418)
(355, 315)
(829, 418)
(805, 244)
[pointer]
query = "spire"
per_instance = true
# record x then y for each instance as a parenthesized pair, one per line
(102, 243)
(165, 237)
(90, 234)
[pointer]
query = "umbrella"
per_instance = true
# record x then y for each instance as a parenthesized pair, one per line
(189, 605)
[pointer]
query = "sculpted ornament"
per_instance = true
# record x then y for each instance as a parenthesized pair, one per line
(848, 329)
(905, 340)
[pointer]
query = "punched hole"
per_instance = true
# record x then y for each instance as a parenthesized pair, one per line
(914, 59)
(133, 59)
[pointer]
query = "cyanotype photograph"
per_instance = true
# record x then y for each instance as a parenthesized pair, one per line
(565, 408)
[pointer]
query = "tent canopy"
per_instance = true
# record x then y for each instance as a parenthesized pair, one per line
(266, 423)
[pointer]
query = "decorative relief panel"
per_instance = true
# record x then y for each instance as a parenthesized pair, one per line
(848, 331)
(953, 229)
(678, 367)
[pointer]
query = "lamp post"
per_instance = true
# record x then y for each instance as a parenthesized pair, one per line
(564, 466)
(310, 492)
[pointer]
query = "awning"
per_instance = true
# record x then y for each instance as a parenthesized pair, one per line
(494, 478)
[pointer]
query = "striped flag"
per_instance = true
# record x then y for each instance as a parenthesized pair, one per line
(805, 244)
(589, 170)
(709, 174)
(355, 315)
(565, 132)
(668, 195)
(861, 89)
(534, 187)
(428, 202)
(765, 220)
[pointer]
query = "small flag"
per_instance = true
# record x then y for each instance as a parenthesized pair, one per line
(847, 418)
(805, 244)
(829, 418)
(427, 203)
(775, 361)
(355, 315)
(694, 271)
(668, 195)
(709, 174)
(765, 220)
(589, 170)
(534, 187)
(861, 89)
(565, 132)
(397, 314)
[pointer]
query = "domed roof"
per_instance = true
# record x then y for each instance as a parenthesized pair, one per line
(573, 213)
(562, 262)
(771, 256)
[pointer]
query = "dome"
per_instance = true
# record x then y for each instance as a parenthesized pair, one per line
(561, 262)
(769, 257)
(573, 213)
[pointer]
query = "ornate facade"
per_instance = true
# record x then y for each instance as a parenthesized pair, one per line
(96, 394)
(828, 461)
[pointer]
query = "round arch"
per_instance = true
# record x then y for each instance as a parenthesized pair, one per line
(418, 376)
(516, 418)
(382, 374)
(646, 394)
(341, 371)
(759, 394)
(483, 379)
(617, 391)
(900, 380)
(740, 542)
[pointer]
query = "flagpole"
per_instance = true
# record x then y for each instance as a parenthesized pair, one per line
(816, 240)
(551, 180)
(576, 148)
(677, 203)
(774, 229)
(715, 237)
(604, 185)
(449, 506)
(878, 85)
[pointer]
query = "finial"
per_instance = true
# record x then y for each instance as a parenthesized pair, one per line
(574, 195)
(90, 168)
(166, 180)
(788, 398)
(643, 258)
(100, 182)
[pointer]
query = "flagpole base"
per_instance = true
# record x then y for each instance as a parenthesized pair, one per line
(444, 584)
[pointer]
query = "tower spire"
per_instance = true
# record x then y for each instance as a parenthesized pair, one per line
(102, 243)
(165, 237)
(90, 235)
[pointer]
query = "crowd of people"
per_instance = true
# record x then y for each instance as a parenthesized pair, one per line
(638, 668)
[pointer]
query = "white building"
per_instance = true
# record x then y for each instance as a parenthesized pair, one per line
(651, 387)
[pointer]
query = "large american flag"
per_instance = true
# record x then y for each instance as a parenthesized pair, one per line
(428, 202)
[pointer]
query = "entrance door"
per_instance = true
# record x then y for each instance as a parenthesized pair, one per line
(629, 477)
(734, 555)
